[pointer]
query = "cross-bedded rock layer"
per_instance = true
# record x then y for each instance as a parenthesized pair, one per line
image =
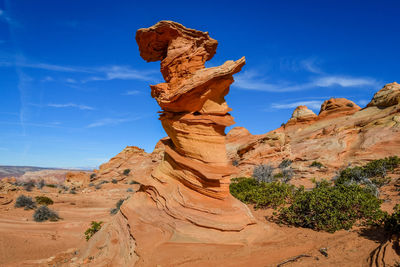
(194, 111)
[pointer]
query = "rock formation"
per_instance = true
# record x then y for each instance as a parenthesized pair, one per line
(341, 134)
(186, 198)
(338, 106)
(301, 114)
(388, 96)
(194, 111)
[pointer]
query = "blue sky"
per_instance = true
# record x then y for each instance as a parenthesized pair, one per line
(74, 90)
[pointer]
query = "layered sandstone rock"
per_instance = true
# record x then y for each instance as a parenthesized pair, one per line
(300, 115)
(133, 158)
(388, 96)
(194, 111)
(342, 134)
(337, 107)
(186, 198)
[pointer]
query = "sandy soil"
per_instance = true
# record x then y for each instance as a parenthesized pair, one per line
(23, 239)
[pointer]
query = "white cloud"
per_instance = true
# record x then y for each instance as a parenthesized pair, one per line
(104, 73)
(112, 121)
(71, 105)
(343, 81)
(47, 79)
(132, 92)
(310, 65)
(122, 73)
(252, 80)
(70, 80)
(5, 17)
(107, 121)
(312, 104)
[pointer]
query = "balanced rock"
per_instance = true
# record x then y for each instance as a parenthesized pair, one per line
(388, 96)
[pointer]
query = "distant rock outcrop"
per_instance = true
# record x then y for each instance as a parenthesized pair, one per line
(341, 134)
(338, 107)
(300, 115)
(388, 96)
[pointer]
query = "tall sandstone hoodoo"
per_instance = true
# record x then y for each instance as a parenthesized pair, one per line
(194, 111)
(186, 198)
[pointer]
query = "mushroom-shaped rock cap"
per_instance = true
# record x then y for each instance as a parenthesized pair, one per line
(154, 41)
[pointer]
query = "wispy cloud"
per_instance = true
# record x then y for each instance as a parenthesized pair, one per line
(70, 105)
(111, 121)
(312, 104)
(122, 73)
(253, 80)
(4, 16)
(132, 92)
(310, 65)
(103, 73)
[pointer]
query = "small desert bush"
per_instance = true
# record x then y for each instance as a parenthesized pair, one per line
(28, 186)
(91, 184)
(285, 163)
(118, 205)
(372, 175)
(114, 181)
(43, 213)
(40, 184)
(129, 190)
(317, 164)
(25, 202)
(43, 200)
(94, 228)
(263, 173)
(72, 191)
(126, 172)
(98, 186)
(133, 182)
(331, 208)
(249, 190)
(392, 222)
(51, 185)
(92, 176)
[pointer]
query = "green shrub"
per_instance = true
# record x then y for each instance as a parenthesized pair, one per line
(262, 194)
(129, 190)
(126, 172)
(133, 182)
(92, 176)
(118, 205)
(43, 200)
(331, 208)
(43, 213)
(94, 228)
(51, 185)
(25, 202)
(392, 222)
(114, 181)
(317, 164)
